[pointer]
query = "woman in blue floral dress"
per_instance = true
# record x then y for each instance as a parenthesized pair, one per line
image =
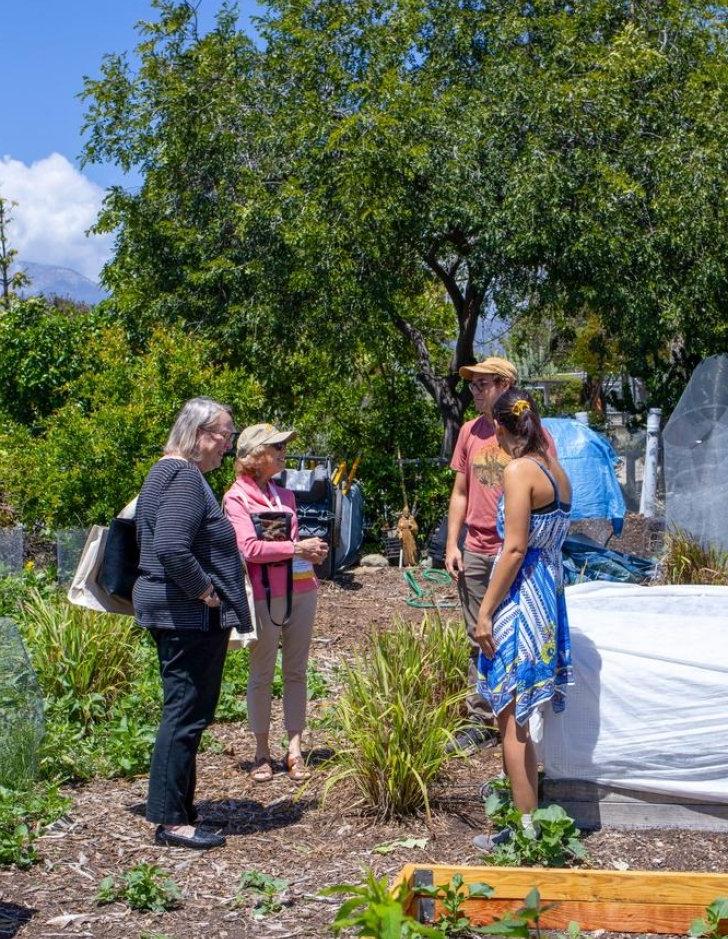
(522, 630)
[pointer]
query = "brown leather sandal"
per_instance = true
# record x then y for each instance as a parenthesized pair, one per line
(261, 771)
(296, 768)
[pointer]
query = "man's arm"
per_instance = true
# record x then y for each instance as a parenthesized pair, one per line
(455, 519)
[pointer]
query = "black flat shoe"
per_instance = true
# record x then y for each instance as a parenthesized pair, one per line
(201, 840)
(472, 739)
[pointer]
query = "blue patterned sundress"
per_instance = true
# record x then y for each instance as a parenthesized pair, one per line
(532, 661)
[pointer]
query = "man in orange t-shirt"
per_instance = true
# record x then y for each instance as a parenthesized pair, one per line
(478, 462)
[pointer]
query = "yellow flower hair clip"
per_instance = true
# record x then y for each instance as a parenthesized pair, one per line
(520, 407)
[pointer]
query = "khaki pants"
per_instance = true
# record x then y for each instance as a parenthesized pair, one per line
(472, 584)
(295, 641)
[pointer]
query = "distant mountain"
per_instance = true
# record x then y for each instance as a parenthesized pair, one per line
(60, 282)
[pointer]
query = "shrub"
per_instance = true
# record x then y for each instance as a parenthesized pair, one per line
(686, 561)
(15, 588)
(145, 887)
(398, 707)
(45, 347)
(88, 458)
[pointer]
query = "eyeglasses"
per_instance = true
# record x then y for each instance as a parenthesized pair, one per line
(279, 446)
(229, 435)
(482, 384)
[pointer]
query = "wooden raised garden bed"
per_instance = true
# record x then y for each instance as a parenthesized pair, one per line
(618, 901)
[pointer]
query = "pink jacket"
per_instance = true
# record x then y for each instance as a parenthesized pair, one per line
(244, 497)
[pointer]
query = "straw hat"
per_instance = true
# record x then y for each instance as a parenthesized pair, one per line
(494, 365)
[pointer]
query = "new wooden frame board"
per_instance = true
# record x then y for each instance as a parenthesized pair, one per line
(618, 901)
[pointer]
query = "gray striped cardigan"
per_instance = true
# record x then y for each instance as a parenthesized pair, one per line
(185, 544)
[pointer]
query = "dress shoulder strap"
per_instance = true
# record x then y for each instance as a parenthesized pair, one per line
(549, 475)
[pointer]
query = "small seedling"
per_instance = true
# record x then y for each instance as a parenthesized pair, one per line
(522, 921)
(454, 922)
(267, 893)
(145, 887)
(573, 931)
(710, 925)
(374, 911)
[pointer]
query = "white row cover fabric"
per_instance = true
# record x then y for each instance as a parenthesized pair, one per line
(649, 707)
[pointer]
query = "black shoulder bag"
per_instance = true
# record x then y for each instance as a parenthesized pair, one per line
(275, 525)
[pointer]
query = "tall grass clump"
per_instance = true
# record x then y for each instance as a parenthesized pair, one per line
(77, 652)
(398, 707)
(686, 561)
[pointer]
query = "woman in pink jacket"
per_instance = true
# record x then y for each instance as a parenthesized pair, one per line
(284, 587)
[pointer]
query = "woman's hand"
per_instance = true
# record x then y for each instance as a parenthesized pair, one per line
(311, 549)
(483, 635)
(210, 598)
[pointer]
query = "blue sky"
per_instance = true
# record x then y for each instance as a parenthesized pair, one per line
(48, 46)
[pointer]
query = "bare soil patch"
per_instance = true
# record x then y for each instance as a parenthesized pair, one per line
(308, 844)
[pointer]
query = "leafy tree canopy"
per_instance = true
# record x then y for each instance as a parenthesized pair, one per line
(379, 174)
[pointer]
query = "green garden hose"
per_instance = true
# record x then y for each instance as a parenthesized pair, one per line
(422, 598)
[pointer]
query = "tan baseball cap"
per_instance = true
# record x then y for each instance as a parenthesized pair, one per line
(261, 435)
(494, 365)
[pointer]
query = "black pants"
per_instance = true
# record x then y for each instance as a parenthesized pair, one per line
(191, 664)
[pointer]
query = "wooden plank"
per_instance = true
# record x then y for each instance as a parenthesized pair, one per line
(653, 887)
(405, 876)
(614, 916)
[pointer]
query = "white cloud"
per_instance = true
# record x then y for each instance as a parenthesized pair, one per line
(56, 206)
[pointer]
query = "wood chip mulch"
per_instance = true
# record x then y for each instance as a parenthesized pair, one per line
(309, 844)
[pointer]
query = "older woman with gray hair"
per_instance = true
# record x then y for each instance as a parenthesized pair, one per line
(190, 592)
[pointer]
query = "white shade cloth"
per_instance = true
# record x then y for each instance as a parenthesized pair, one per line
(649, 708)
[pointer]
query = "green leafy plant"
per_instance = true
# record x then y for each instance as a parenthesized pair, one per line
(522, 921)
(712, 924)
(556, 845)
(453, 921)
(15, 588)
(374, 911)
(395, 713)
(266, 892)
(144, 887)
(23, 817)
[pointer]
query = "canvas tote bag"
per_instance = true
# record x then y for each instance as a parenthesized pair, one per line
(86, 589)
(237, 639)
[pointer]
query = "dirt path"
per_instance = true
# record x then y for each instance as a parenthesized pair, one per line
(305, 843)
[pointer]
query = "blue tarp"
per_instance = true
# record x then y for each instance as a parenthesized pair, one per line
(584, 559)
(589, 460)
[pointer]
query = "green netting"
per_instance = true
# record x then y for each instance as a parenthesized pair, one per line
(21, 710)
